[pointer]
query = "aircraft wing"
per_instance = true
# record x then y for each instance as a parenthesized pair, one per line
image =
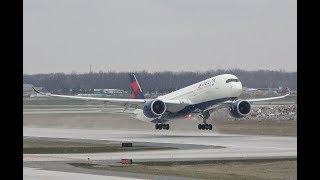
(263, 99)
(227, 104)
(270, 98)
(127, 103)
(266, 99)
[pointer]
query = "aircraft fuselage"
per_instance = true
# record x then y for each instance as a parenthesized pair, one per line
(202, 95)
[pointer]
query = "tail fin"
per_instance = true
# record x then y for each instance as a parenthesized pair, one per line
(135, 87)
(287, 90)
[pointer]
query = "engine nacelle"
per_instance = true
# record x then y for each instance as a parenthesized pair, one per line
(154, 108)
(240, 109)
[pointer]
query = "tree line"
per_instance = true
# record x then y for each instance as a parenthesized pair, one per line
(161, 82)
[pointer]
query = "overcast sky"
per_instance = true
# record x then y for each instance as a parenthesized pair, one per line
(157, 35)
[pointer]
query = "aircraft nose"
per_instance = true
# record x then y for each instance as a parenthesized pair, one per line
(237, 88)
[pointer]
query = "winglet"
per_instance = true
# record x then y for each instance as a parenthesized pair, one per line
(135, 87)
(37, 91)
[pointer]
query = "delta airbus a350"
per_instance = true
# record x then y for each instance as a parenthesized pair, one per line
(201, 98)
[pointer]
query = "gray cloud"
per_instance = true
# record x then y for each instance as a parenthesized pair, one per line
(157, 35)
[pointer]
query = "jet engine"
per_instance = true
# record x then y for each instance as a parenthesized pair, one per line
(240, 108)
(154, 108)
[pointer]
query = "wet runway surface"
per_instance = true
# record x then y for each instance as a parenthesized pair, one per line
(236, 146)
(93, 124)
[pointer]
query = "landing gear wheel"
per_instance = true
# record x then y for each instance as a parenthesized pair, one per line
(205, 126)
(162, 126)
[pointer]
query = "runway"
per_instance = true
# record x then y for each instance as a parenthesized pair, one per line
(33, 173)
(236, 146)
(93, 123)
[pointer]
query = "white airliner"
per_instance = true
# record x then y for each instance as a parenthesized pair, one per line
(201, 98)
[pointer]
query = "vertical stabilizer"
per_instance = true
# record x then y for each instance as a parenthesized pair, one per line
(135, 87)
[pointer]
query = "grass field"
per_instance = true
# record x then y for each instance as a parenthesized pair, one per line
(282, 128)
(223, 170)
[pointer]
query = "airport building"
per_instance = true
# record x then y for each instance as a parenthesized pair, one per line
(105, 93)
(110, 91)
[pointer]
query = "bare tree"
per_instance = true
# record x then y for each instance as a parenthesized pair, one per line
(162, 82)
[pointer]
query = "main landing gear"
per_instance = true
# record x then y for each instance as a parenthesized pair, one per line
(162, 126)
(205, 115)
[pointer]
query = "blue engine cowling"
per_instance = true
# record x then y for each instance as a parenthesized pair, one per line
(154, 108)
(240, 108)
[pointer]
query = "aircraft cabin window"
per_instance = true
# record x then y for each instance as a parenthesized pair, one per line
(232, 80)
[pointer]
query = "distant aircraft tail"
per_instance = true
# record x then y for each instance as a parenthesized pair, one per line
(287, 90)
(135, 87)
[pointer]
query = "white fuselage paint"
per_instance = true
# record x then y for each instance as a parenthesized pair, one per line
(211, 89)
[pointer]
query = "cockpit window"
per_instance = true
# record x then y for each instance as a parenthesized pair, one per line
(232, 80)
